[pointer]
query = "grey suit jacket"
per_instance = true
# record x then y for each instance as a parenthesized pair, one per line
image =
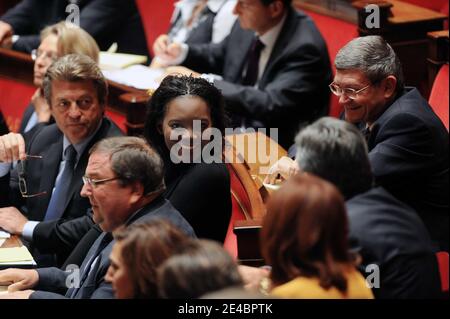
(54, 280)
(293, 88)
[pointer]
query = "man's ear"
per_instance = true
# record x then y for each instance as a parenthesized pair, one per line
(276, 8)
(389, 86)
(137, 192)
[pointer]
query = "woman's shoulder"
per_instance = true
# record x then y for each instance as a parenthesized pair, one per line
(212, 170)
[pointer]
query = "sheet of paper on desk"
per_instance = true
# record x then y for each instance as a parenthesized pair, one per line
(138, 76)
(110, 60)
(15, 254)
(4, 234)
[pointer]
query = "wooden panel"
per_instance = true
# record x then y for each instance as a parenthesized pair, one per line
(438, 47)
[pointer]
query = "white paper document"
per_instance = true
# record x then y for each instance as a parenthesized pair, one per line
(137, 76)
(4, 234)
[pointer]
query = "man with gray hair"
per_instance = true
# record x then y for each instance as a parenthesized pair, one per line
(397, 253)
(407, 142)
(46, 184)
(124, 182)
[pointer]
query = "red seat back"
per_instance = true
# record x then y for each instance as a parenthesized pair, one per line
(14, 98)
(336, 33)
(155, 17)
(439, 95)
(442, 257)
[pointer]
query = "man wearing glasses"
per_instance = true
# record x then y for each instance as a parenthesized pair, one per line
(124, 181)
(408, 144)
(46, 184)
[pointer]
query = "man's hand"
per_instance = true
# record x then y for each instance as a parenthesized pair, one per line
(285, 167)
(166, 52)
(41, 106)
(12, 220)
(6, 33)
(25, 294)
(181, 70)
(252, 277)
(19, 279)
(12, 148)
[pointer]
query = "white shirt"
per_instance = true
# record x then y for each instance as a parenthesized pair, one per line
(223, 21)
(269, 38)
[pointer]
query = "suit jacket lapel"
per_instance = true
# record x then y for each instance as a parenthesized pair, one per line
(284, 38)
(50, 168)
(236, 64)
(76, 182)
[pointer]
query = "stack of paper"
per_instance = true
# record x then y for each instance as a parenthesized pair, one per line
(15, 254)
(120, 60)
(138, 76)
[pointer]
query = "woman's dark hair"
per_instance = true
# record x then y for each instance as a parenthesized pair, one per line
(305, 233)
(144, 247)
(173, 87)
(199, 267)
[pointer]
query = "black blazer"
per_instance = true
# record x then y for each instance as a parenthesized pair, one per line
(201, 192)
(293, 88)
(409, 153)
(107, 21)
(391, 235)
(53, 279)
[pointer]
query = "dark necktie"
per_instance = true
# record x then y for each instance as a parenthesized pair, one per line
(251, 74)
(88, 268)
(57, 201)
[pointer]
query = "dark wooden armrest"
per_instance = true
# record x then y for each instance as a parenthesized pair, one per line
(247, 236)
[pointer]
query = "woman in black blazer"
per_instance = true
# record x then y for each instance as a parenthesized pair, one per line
(182, 114)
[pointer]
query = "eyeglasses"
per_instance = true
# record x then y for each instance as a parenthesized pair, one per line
(22, 175)
(35, 54)
(348, 92)
(95, 182)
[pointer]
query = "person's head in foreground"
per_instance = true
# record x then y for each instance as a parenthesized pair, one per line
(200, 266)
(139, 249)
(305, 239)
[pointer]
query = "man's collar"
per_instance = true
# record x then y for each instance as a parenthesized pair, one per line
(270, 37)
(80, 147)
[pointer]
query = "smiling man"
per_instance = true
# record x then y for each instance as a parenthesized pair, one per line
(408, 144)
(46, 185)
(124, 182)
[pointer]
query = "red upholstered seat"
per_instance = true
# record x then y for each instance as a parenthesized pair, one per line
(439, 95)
(240, 204)
(336, 33)
(442, 257)
(14, 98)
(155, 18)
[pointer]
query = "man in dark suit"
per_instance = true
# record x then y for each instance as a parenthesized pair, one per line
(386, 233)
(397, 253)
(76, 91)
(408, 144)
(277, 78)
(108, 21)
(124, 182)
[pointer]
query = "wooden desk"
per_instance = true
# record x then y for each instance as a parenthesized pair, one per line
(438, 47)
(13, 241)
(128, 101)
